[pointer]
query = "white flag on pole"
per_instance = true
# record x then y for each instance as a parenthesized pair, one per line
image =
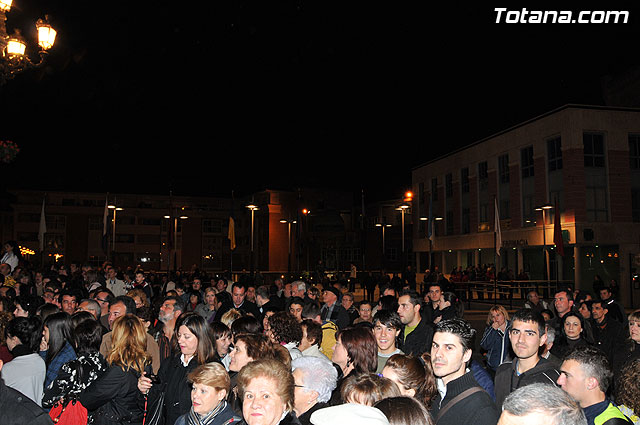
(43, 227)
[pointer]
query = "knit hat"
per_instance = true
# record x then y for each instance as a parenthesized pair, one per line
(351, 413)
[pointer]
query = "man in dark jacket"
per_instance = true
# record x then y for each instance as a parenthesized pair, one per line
(239, 302)
(331, 310)
(417, 334)
(608, 334)
(527, 335)
(460, 400)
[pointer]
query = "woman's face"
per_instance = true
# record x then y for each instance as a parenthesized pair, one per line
(19, 312)
(634, 330)
(265, 322)
(572, 327)
(340, 356)
(584, 311)
(45, 334)
(205, 398)
(187, 341)
(304, 398)
(261, 404)
(138, 301)
(193, 299)
(222, 345)
(311, 295)
(239, 357)
(497, 317)
(210, 298)
(365, 312)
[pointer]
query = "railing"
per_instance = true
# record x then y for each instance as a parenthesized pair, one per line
(506, 292)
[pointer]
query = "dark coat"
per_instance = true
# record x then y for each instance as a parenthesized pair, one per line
(610, 336)
(507, 380)
(290, 419)
(339, 316)
(418, 341)
(18, 409)
(112, 398)
(173, 381)
(477, 409)
(305, 418)
(247, 307)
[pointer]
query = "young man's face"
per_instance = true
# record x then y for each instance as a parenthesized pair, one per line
(573, 379)
(526, 339)
(385, 337)
(448, 357)
(296, 311)
(434, 293)
(406, 310)
(562, 303)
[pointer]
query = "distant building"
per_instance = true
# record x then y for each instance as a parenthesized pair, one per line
(585, 158)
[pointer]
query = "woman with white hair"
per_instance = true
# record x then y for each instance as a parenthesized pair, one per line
(315, 379)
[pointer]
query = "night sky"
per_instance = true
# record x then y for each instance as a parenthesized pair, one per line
(208, 97)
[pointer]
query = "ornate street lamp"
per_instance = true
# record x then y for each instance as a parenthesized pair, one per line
(13, 49)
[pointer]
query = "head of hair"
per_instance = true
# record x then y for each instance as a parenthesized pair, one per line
(568, 293)
(496, 309)
(548, 399)
(414, 297)
(310, 311)
(137, 292)
(572, 314)
(594, 364)
(246, 324)
(627, 388)
(5, 318)
(129, 344)
(551, 334)
(404, 411)
(196, 294)
(285, 328)
(59, 325)
(273, 370)
(28, 303)
(257, 346)
(198, 326)
(230, 316)
(388, 318)
(211, 374)
(92, 305)
(367, 389)
(145, 313)
(219, 330)
(314, 331)
(28, 330)
(87, 336)
(415, 373)
(295, 300)
(361, 347)
(456, 304)
(299, 285)
(388, 302)
(47, 310)
(79, 317)
(128, 302)
(178, 304)
(223, 297)
(530, 316)
(318, 375)
(461, 328)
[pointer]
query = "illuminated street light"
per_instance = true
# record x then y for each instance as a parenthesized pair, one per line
(13, 49)
(544, 208)
(253, 208)
(289, 223)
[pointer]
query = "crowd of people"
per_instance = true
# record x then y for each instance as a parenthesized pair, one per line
(194, 350)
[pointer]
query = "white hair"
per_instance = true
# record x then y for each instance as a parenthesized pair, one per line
(317, 375)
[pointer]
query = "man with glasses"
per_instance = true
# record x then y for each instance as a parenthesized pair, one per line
(527, 335)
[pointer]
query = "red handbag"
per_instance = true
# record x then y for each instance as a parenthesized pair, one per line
(70, 413)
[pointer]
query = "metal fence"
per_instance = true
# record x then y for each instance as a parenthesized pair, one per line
(506, 292)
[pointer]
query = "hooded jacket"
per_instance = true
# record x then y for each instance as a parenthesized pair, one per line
(507, 379)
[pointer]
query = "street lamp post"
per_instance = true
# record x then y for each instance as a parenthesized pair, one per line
(253, 209)
(289, 223)
(383, 226)
(305, 213)
(113, 231)
(175, 237)
(545, 253)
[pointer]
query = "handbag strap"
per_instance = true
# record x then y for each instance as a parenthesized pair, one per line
(457, 399)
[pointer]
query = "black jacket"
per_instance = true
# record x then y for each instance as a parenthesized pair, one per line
(610, 336)
(18, 409)
(247, 307)
(173, 381)
(305, 418)
(339, 316)
(418, 341)
(112, 398)
(507, 380)
(476, 409)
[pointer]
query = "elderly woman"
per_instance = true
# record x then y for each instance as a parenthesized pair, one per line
(266, 388)
(314, 380)
(210, 386)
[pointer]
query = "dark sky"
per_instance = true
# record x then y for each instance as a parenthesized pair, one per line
(245, 95)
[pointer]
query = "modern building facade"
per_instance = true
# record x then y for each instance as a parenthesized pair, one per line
(582, 162)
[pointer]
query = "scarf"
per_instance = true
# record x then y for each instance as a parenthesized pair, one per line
(196, 419)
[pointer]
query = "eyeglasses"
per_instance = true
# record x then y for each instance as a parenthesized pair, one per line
(299, 386)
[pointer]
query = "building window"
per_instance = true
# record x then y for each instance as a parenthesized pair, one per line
(434, 189)
(466, 221)
(149, 239)
(634, 151)
(56, 223)
(211, 226)
(503, 168)
(504, 209)
(464, 180)
(593, 149)
(554, 154)
(483, 175)
(449, 185)
(526, 162)
(596, 198)
(483, 212)
(449, 222)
